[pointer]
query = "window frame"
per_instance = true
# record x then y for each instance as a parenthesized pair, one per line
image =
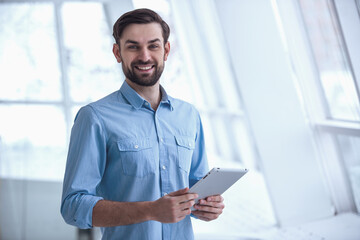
(325, 130)
(65, 103)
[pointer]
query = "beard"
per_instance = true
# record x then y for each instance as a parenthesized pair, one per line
(143, 79)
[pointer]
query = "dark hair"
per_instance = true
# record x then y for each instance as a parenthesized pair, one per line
(139, 16)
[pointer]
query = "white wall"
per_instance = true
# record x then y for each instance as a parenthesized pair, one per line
(282, 134)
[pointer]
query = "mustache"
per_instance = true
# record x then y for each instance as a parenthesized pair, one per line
(142, 63)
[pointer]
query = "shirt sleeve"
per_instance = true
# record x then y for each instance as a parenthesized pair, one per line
(199, 163)
(84, 168)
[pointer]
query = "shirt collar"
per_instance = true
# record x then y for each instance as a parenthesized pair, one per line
(165, 98)
(137, 101)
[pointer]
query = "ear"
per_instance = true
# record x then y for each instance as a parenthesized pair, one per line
(167, 50)
(116, 52)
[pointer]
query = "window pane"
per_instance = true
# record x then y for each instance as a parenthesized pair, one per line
(29, 61)
(92, 69)
(350, 149)
(32, 142)
(331, 58)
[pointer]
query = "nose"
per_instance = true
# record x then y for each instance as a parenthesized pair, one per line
(144, 55)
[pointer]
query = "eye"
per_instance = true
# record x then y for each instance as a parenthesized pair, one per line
(153, 46)
(132, 47)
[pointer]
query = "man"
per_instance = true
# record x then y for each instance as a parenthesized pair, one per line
(134, 153)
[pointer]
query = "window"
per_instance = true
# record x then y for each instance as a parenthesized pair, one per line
(32, 126)
(51, 62)
(91, 68)
(29, 56)
(339, 89)
(330, 53)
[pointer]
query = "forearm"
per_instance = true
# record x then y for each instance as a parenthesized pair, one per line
(110, 213)
(170, 208)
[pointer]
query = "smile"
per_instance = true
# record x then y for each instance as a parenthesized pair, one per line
(144, 68)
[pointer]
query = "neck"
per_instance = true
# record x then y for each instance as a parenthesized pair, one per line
(151, 94)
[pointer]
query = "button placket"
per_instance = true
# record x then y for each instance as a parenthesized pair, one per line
(164, 174)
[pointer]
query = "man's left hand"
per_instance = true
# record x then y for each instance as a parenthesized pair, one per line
(210, 208)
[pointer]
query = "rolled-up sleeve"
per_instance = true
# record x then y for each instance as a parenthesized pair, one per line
(84, 168)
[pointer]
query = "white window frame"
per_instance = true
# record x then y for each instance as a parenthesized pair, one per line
(324, 129)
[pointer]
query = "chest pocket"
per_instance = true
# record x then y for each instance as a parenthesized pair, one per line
(185, 149)
(137, 158)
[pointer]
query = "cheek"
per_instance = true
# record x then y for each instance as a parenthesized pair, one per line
(124, 58)
(126, 62)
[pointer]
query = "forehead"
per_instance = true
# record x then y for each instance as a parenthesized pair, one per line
(142, 33)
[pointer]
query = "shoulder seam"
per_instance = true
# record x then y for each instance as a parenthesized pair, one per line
(100, 120)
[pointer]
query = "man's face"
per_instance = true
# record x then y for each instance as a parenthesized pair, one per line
(142, 53)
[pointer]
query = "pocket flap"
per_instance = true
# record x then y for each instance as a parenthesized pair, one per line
(185, 142)
(133, 144)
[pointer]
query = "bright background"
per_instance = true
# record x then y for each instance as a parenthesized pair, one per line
(276, 83)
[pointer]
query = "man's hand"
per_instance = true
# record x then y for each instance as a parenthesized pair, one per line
(210, 208)
(173, 207)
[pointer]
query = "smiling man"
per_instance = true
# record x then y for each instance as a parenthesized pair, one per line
(134, 154)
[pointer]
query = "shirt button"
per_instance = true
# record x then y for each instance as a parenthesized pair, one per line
(161, 140)
(146, 103)
(136, 146)
(163, 167)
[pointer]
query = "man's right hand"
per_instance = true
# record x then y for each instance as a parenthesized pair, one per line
(173, 207)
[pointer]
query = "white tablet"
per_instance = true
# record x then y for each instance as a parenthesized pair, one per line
(216, 182)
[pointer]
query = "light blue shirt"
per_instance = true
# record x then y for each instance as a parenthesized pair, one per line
(122, 150)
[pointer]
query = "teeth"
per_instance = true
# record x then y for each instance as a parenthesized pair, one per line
(144, 68)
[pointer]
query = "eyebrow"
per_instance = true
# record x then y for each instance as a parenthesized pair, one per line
(155, 40)
(135, 42)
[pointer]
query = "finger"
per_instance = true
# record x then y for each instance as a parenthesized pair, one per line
(183, 214)
(216, 198)
(200, 216)
(211, 204)
(205, 215)
(189, 197)
(188, 204)
(186, 212)
(179, 192)
(209, 209)
(203, 218)
(186, 197)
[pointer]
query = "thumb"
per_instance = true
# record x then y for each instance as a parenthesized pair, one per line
(179, 192)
